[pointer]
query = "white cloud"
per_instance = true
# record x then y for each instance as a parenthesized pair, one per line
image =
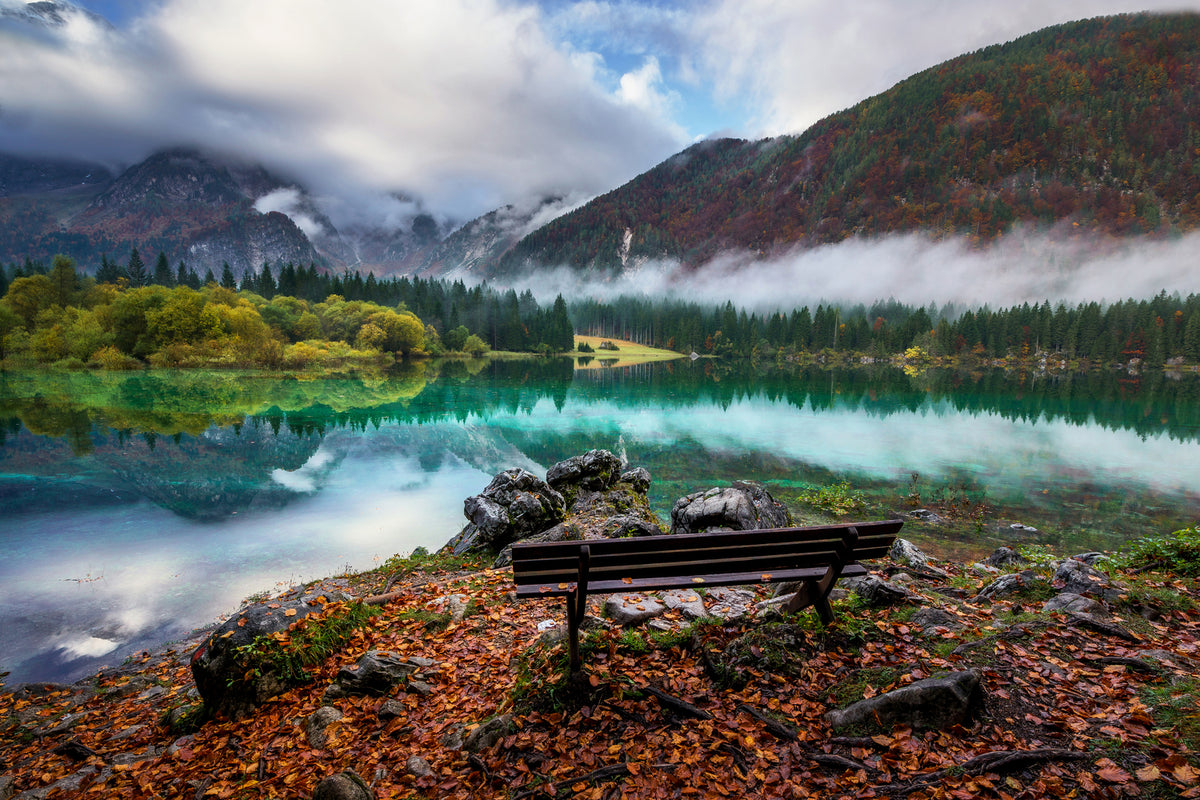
(465, 103)
(288, 201)
(1021, 267)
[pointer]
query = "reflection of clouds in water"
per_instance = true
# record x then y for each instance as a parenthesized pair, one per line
(160, 571)
(935, 440)
(304, 479)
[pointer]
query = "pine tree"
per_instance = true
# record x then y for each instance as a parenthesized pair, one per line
(136, 270)
(162, 271)
(227, 279)
(109, 272)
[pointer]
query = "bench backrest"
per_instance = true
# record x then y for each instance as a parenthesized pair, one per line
(634, 561)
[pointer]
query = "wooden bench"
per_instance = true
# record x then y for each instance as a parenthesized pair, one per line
(816, 556)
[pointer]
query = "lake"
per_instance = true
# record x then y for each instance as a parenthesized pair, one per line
(135, 507)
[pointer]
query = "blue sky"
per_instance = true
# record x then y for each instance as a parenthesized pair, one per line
(469, 104)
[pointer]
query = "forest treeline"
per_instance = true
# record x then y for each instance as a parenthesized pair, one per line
(128, 315)
(1154, 332)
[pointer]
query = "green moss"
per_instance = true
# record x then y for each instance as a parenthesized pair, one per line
(854, 687)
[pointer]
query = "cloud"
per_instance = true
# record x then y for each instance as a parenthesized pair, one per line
(464, 103)
(801, 60)
(1021, 267)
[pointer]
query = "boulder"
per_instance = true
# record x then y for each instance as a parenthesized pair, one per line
(1006, 586)
(931, 703)
(316, 727)
(225, 682)
(728, 603)
(515, 505)
(744, 506)
(906, 553)
(418, 767)
(879, 593)
(929, 620)
(376, 673)
(687, 602)
(487, 733)
(1078, 578)
(595, 470)
(1068, 602)
(1005, 558)
(343, 786)
(638, 478)
(632, 609)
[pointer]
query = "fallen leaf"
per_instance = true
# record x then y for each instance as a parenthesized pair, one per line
(627, 580)
(290, 612)
(697, 580)
(766, 577)
(1148, 773)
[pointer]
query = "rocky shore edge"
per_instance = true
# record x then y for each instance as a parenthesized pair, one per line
(1032, 675)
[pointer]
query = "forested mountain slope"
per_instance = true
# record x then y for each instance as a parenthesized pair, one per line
(1093, 126)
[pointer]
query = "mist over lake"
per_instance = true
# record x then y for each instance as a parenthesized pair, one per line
(137, 507)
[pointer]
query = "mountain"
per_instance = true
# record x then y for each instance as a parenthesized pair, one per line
(1089, 127)
(471, 250)
(191, 206)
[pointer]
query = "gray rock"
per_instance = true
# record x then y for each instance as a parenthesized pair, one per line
(1071, 602)
(744, 506)
(931, 703)
(1079, 578)
(925, 515)
(343, 786)
(376, 673)
(1006, 558)
(488, 733)
(69, 783)
(639, 477)
(515, 505)
(1006, 586)
(218, 667)
(391, 709)
(1022, 529)
(728, 603)
(664, 625)
(879, 593)
(453, 738)
(559, 632)
(420, 688)
(457, 604)
(1092, 558)
(930, 619)
(632, 609)
(905, 552)
(595, 470)
(7, 789)
(316, 727)
(980, 568)
(688, 603)
(624, 525)
(418, 767)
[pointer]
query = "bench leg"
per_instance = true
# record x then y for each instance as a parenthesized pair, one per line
(576, 607)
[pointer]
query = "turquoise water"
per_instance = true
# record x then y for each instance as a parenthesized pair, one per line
(134, 508)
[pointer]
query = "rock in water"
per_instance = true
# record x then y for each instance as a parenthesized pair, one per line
(515, 505)
(744, 506)
(595, 470)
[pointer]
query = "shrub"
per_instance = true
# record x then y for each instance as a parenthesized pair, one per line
(111, 358)
(1178, 551)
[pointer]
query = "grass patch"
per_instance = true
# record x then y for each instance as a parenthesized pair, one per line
(1176, 707)
(288, 654)
(542, 677)
(431, 621)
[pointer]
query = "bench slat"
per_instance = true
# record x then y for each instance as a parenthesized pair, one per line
(640, 544)
(668, 582)
(779, 555)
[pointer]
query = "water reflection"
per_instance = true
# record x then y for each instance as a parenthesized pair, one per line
(134, 507)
